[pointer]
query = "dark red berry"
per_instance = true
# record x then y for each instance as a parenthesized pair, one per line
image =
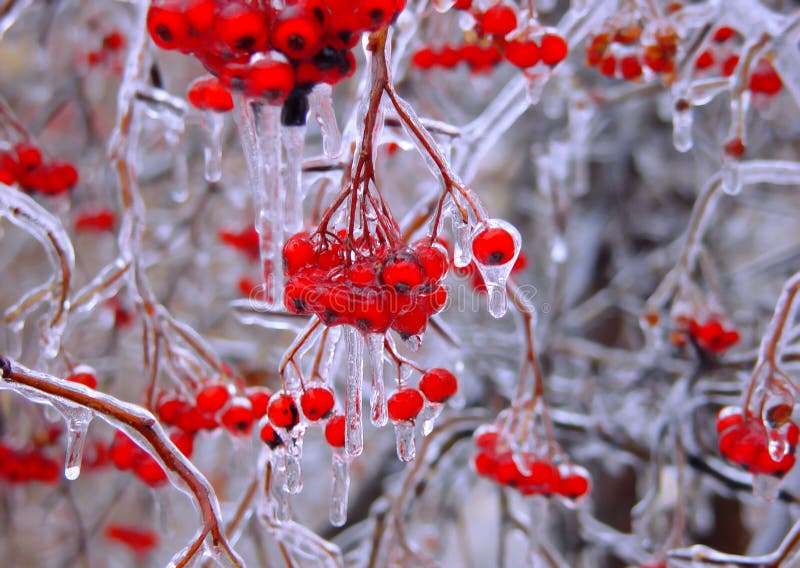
(296, 33)
(402, 272)
(270, 437)
(87, 379)
(167, 25)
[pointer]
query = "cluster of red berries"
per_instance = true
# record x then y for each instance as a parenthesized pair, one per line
(126, 455)
(622, 54)
(234, 40)
(113, 43)
(24, 466)
(478, 58)
(495, 460)
(710, 336)
(391, 288)
(24, 165)
(215, 405)
(493, 25)
(96, 220)
(207, 93)
(746, 441)
(721, 57)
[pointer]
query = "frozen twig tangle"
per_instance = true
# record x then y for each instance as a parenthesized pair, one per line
(399, 283)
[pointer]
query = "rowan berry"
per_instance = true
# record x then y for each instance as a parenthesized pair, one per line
(168, 25)
(241, 29)
(296, 33)
(207, 93)
(498, 20)
(522, 53)
(282, 412)
(86, 379)
(438, 385)
(553, 49)
(270, 437)
(212, 398)
(334, 431)
(317, 403)
(630, 68)
(259, 400)
(238, 418)
(95, 220)
(402, 272)
(405, 404)
(493, 246)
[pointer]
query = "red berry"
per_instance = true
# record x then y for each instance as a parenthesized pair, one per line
(269, 80)
(7, 176)
(493, 246)
(298, 252)
(485, 465)
(282, 412)
(724, 34)
(734, 148)
(207, 93)
(405, 404)
(362, 274)
(317, 403)
(438, 385)
(553, 49)
(433, 259)
(334, 431)
(376, 14)
(259, 400)
(124, 453)
(608, 67)
(574, 485)
(764, 79)
(296, 33)
(183, 441)
(522, 53)
(200, 15)
(140, 541)
(95, 221)
(425, 58)
(402, 272)
(212, 397)
(704, 60)
(498, 20)
(167, 25)
(729, 65)
(630, 68)
(238, 419)
(28, 156)
(270, 437)
(87, 379)
(240, 28)
(171, 409)
(411, 322)
(114, 41)
(149, 471)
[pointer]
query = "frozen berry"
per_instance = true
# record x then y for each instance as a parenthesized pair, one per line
(334, 431)
(438, 385)
(238, 419)
(553, 49)
(282, 412)
(212, 397)
(493, 246)
(405, 404)
(316, 402)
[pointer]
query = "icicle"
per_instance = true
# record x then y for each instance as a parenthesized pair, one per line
(293, 482)
(496, 276)
(378, 412)
(322, 102)
(340, 489)
(174, 137)
(429, 415)
(414, 342)
(682, 121)
(353, 432)
(404, 435)
(78, 420)
(462, 255)
(293, 138)
(280, 497)
(213, 125)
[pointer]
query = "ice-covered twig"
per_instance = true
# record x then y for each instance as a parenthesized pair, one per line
(144, 428)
